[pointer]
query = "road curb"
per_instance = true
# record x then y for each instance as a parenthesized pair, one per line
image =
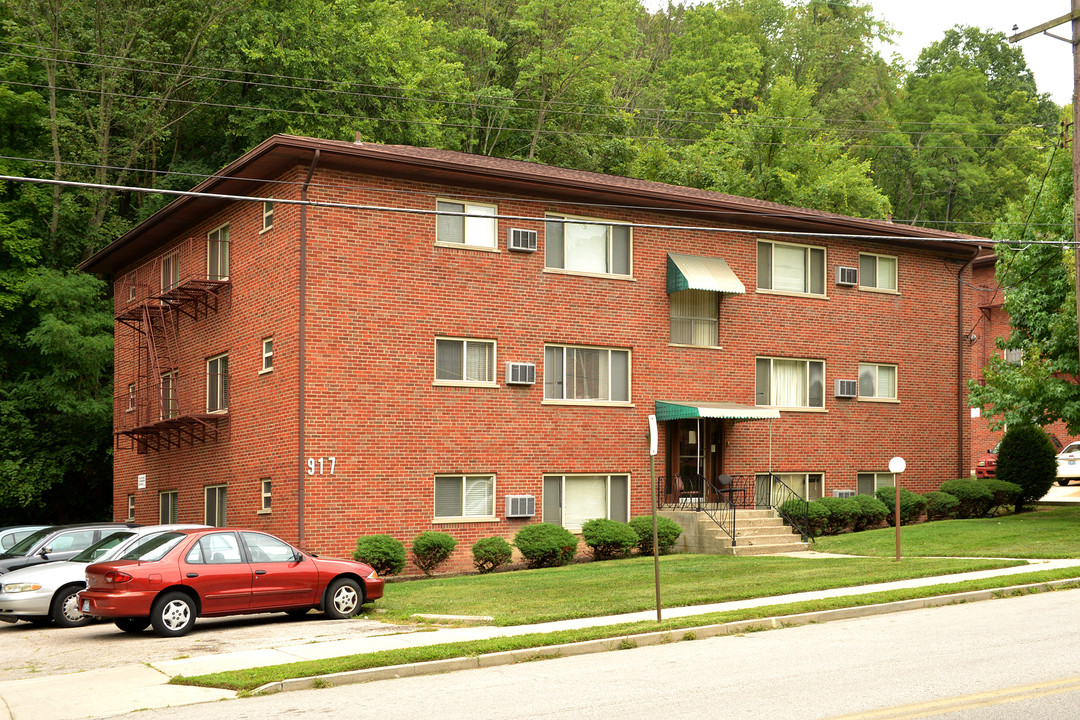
(626, 642)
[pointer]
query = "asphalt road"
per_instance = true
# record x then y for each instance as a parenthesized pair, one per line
(1011, 658)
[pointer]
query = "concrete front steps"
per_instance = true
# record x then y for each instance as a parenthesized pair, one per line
(757, 532)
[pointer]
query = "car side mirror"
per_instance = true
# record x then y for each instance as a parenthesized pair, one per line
(298, 556)
(45, 551)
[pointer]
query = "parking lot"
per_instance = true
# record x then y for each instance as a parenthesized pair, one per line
(29, 651)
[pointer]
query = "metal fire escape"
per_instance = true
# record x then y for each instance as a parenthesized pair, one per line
(161, 407)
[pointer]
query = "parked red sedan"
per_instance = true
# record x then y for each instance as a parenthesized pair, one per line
(210, 572)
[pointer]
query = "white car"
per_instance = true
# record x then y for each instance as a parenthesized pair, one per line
(1068, 463)
(49, 592)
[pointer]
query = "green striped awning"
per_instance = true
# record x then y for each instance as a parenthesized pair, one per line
(729, 411)
(691, 272)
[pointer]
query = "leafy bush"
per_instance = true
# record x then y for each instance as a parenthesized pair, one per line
(811, 517)
(912, 504)
(431, 549)
(608, 538)
(382, 552)
(940, 505)
(545, 545)
(1026, 457)
(872, 512)
(840, 514)
(490, 553)
(667, 533)
(1004, 493)
(974, 497)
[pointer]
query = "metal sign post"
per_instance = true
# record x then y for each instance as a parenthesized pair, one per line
(653, 442)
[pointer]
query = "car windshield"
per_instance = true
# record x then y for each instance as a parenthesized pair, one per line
(27, 543)
(1073, 447)
(155, 547)
(102, 547)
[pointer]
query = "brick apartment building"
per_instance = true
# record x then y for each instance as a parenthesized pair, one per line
(336, 339)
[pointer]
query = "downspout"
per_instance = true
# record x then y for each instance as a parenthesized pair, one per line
(961, 380)
(303, 355)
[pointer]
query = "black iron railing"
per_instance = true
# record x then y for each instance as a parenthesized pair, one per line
(771, 491)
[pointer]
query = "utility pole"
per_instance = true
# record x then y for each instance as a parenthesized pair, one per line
(1074, 18)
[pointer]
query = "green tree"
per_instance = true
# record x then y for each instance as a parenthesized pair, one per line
(1026, 458)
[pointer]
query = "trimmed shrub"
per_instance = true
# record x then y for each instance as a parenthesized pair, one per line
(1004, 494)
(667, 533)
(431, 549)
(912, 504)
(940, 505)
(382, 552)
(545, 545)
(812, 517)
(974, 497)
(840, 514)
(872, 512)
(1026, 457)
(609, 539)
(490, 553)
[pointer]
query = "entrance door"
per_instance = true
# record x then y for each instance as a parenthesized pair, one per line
(694, 453)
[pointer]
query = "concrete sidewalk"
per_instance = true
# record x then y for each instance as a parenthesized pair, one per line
(113, 691)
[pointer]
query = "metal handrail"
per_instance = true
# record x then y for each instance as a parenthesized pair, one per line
(787, 503)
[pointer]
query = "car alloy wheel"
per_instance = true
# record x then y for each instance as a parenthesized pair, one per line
(65, 608)
(345, 598)
(173, 614)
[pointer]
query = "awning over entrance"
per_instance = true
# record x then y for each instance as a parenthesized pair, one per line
(729, 411)
(691, 272)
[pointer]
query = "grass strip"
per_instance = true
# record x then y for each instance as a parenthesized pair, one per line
(251, 678)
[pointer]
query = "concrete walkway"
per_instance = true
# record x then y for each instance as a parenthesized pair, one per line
(113, 691)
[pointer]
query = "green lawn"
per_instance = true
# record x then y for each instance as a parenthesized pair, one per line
(1052, 532)
(620, 586)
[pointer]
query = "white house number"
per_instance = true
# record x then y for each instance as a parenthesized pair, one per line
(321, 466)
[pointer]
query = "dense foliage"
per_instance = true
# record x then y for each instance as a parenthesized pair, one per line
(545, 545)
(912, 505)
(491, 553)
(667, 534)
(608, 539)
(431, 549)
(1026, 458)
(382, 552)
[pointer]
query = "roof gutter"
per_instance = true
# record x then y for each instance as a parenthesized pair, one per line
(300, 412)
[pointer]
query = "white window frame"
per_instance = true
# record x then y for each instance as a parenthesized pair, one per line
(170, 271)
(877, 384)
(474, 221)
(553, 243)
(1013, 356)
(879, 479)
(218, 237)
(130, 281)
(172, 499)
(267, 354)
(131, 508)
(808, 279)
(687, 299)
(493, 354)
(464, 478)
(132, 396)
(168, 392)
(217, 384)
(265, 496)
(547, 502)
(791, 479)
(807, 407)
(876, 285)
(560, 353)
(267, 215)
(221, 493)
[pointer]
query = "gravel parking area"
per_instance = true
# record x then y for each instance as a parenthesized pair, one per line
(30, 651)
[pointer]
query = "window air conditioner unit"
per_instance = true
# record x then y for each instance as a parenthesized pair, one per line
(521, 240)
(843, 493)
(520, 506)
(846, 388)
(520, 373)
(847, 276)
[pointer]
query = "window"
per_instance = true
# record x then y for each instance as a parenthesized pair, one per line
(215, 505)
(570, 500)
(131, 287)
(869, 482)
(268, 214)
(586, 374)
(170, 271)
(215, 549)
(877, 382)
(464, 496)
(131, 508)
(70, 541)
(790, 383)
(463, 362)
(1014, 356)
(264, 485)
(170, 406)
(783, 267)
(694, 317)
(217, 251)
(808, 486)
(168, 507)
(877, 272)
(587, 247)
(263, 548)
(467, 229)
(131, 397)
(267, 354)
(217, 383)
